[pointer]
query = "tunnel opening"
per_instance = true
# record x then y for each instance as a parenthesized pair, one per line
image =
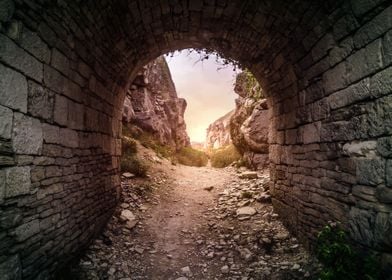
(65, 66)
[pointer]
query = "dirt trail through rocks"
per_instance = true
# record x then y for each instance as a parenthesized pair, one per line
(195, 223)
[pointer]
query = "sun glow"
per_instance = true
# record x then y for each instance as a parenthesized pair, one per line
(208, 91)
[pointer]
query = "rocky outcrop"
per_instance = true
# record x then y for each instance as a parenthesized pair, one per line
(152, 105)
(249, 122)
(218, 133)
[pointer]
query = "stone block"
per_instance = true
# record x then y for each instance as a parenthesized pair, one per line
(347, 96)
(374, 28)
(2, 185)
(40, 101)
(387, 48)
(365, 193)
(323, 46)
(17, 181)
(69, 137)
(360, 148)
(341, 51)
(335, 78)
(75, 116)
(48, 190)
(389, 173)
(37, 173)
(51, 133)
(13, 89)
(380, 84)
(370, 171)
(364, 62)
(84, 69)
(72, 90)
(27, 230)
(361, 7)
(344, 26)
(384, 194)
(5, 122)
(31, 42)
(383, 231)
(53, 79)
(361, 225)
(11, 268)
(60, 62)
(7, 8)
(311, 133)
(26, 135)
(18, 58)
(61, 110)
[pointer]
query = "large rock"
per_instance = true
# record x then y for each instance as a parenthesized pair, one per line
(250, 121)
(152, 104)
(218, 133)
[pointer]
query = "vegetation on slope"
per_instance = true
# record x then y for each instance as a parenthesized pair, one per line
(224, 156)
(191, 157)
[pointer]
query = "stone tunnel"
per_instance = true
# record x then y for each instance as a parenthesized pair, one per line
(325, 66)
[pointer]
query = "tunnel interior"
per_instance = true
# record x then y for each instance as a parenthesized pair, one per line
(325, 68)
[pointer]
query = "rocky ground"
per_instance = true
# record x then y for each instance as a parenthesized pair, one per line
(196, 223)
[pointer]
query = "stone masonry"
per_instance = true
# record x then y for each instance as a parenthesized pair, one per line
(325, 67)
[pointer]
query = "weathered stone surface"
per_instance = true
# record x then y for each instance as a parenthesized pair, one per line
(360, 148)
(7, 8)
(5, 122)
(389, 173)
(40, 101)
(384, 194)
(311, 133)
(61, 110)
(13, 89)
(27, 230)
(11, 269)
(31, 42)
(15, 56)
(26, 135)
(370, 171)
(17, 181)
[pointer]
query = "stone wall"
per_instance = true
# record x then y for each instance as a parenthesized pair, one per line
(152, 105)
(325, 67)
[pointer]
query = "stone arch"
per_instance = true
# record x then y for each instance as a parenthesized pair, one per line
(65, 66)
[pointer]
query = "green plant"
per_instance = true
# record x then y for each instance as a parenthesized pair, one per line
(224, 156)
(134, 165)
(129, 146)
(340, 260)
(191, 157)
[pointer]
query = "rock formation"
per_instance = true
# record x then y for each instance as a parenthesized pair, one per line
(218, 133)
(152, 104)
(249, 122)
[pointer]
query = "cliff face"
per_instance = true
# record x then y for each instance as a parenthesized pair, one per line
(249, 123)
(218, 133)
(152, 105)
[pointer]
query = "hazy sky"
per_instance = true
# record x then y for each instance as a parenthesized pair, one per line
(208, 91)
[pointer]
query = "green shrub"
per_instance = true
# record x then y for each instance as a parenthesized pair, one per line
(191, 157)
(340, 260)
(224, 156)
(134, 165)
(129, 146)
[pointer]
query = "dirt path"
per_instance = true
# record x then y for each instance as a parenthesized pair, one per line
(188, 226)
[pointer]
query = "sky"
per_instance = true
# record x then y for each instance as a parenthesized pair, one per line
(207, 90)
